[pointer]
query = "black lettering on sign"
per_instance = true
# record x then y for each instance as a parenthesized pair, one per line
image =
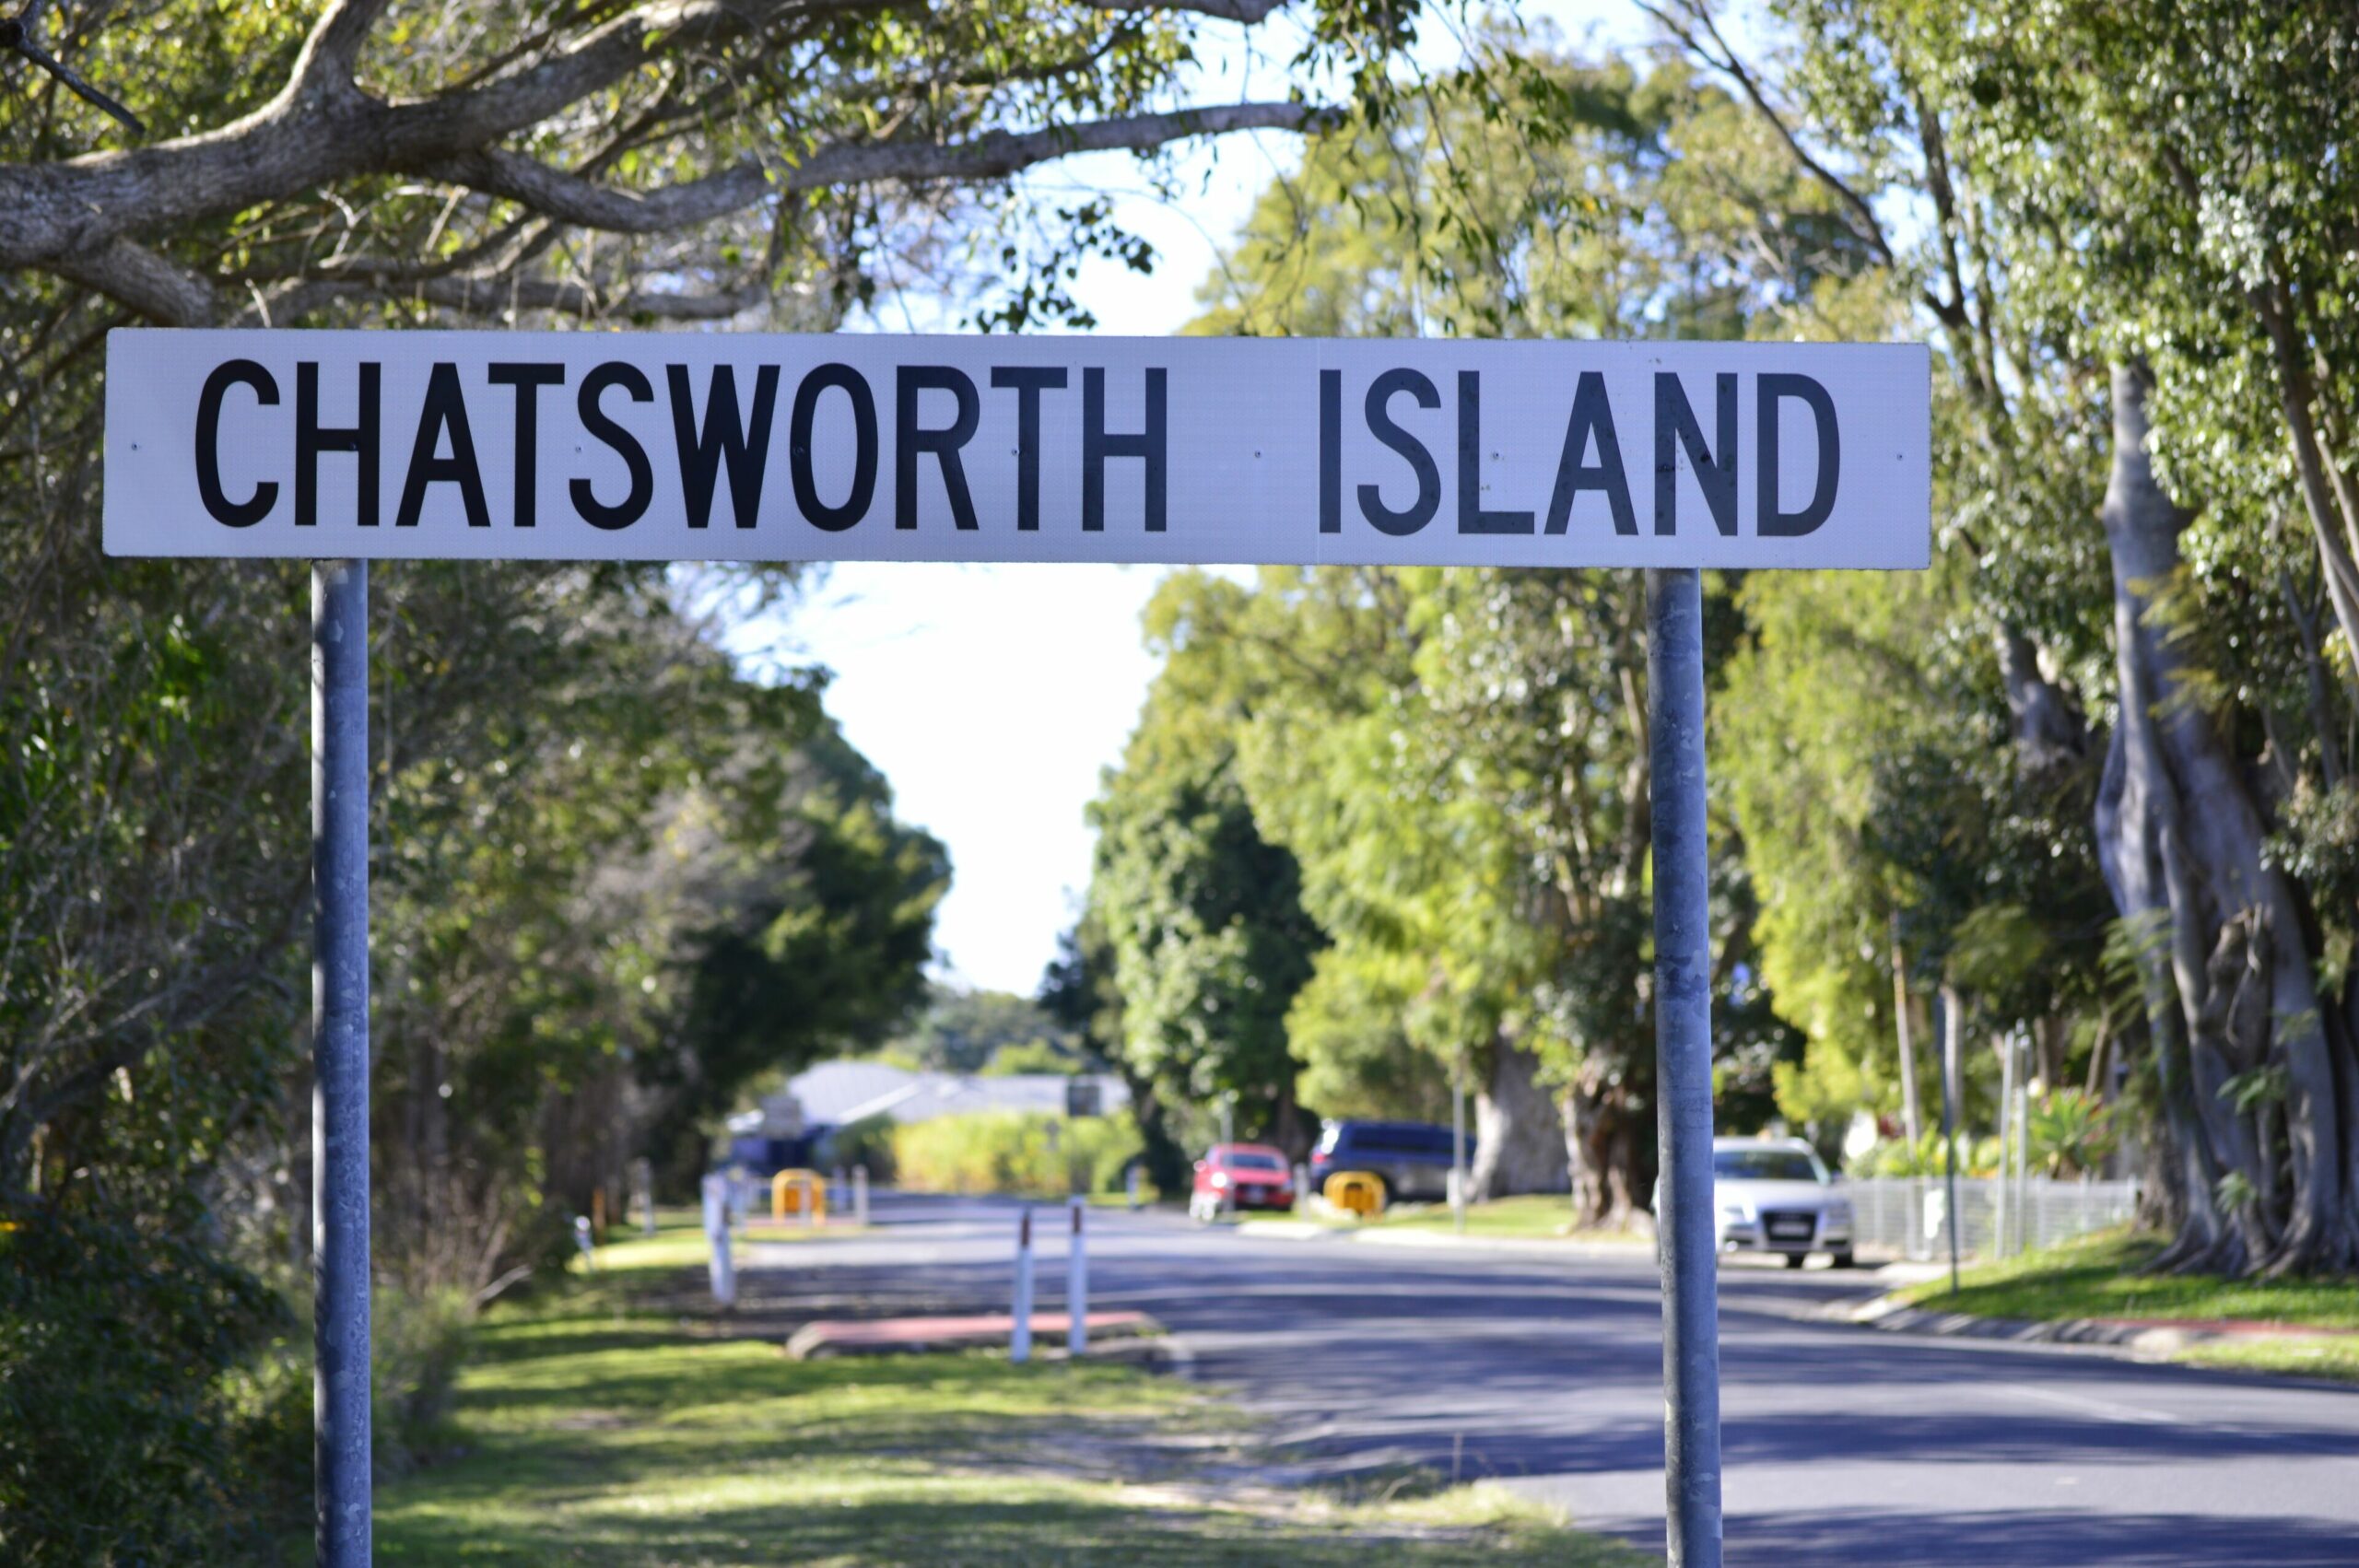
(910, 441)
(311, 439)
(1029, 382)
(834, 520)
(745, 447)
(254, 508)
(596, 420)
(1471, 518)
(1676, 426)
(1593, 417)
(1331, 452)
(528, 380)
(445, 414)
(1771, 390)
(1421, 463)
(1097, 445)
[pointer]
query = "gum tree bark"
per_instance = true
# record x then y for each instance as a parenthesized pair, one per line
(1518, 1142)
(2246, 1067)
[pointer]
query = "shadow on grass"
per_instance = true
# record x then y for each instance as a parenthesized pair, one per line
(628, 1444)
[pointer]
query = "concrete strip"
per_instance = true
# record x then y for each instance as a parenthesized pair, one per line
(904, 1336)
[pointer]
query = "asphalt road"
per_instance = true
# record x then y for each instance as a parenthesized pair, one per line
(1841, 1446)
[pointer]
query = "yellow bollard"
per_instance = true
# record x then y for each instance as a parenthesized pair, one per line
(1355, 1192)
(799, 1192)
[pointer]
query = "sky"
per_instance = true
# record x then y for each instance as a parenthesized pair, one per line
(992, 697)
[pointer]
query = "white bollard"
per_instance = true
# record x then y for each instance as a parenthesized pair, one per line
(1077, 1286)
(860, 1195)
(643, 1191)
(840, 1192)
(1019, 1343)
(1302, 1187)
(716, 1231)
(1131, 1188)
(582, 1239)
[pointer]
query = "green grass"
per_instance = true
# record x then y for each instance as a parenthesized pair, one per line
(1533, 1217)
(2099, 1276)
(595, 1434)
(1539, 1216)
(2335, 1359)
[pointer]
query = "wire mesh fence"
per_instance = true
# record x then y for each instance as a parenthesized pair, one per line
(1997, 1218)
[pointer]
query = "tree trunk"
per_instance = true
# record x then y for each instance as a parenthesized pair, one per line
(1601, 1149)
(1518, 1139)
(2226, 968)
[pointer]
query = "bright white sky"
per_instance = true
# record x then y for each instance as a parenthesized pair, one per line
(992, 695)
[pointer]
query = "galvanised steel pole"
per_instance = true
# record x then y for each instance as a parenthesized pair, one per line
(340, 1453)
(1691, 1350)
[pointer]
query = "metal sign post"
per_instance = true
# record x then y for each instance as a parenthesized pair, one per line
(1671, 457)
(1691, 1343)
(340, 1448)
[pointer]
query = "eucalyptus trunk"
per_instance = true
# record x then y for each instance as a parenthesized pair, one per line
(1602, 1146)
(2254, 1121)
(1518, 1141)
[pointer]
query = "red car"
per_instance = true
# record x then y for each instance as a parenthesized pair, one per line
(1240, 1175)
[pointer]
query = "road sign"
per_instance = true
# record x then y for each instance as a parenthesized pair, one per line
(344, 447)
(577, 446)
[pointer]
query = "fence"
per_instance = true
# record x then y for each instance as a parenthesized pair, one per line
(1996, 1218)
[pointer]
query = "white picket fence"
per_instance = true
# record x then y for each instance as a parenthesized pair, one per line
(1996, 1218)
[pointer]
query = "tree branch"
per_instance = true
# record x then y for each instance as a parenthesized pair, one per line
(1724, 59)
(325, 67)
(496, 296)
(133, 276)
(1246, 11)
(568, 198)
(999, 154)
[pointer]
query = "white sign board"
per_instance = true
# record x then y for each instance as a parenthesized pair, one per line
(598, 446)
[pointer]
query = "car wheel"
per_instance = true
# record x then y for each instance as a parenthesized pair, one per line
(1843, 1260)
(1794, 1259)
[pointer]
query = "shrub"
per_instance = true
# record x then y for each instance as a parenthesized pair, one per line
(868, 1141)
(1011, 1151)
(121, 1428)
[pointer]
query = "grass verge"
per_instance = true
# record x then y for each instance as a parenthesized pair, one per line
(597, 1431)
(2101, 1275)
(1531, 1217)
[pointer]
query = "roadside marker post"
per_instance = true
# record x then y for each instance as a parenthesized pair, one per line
(1078, 1284)
(1019, 1338)
(859, 1196)
(1191, 451)
(719, 1262)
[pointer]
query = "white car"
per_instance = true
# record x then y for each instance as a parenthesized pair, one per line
(1775, 1195)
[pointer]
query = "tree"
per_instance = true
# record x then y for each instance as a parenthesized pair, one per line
(469, 158)
(369, 164)
(965, 1030)
(1202, 914)
(2138, 236)
(1470, 803)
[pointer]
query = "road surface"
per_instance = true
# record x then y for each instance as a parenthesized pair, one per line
(1841, 1444)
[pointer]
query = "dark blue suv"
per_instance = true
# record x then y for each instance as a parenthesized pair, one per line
(1412, 1158)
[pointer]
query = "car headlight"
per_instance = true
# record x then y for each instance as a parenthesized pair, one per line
(1220, 1178)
